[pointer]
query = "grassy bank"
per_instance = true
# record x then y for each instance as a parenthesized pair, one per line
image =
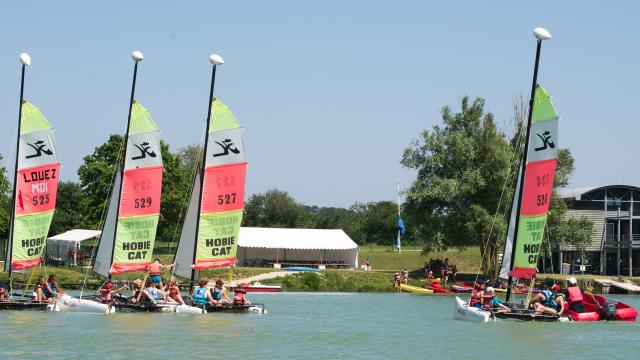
(335, 281)
(411, 258)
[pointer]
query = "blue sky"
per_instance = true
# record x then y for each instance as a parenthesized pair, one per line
(329, 92)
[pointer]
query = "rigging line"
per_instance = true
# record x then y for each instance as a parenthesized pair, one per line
(104, 214)
(511, 163)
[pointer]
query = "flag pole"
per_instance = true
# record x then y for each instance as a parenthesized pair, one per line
(398, 244)
(540, 34)
(137, 57)
(215, 61)
(25, 59)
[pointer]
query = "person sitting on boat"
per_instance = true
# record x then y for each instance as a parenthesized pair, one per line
(574, 296)
(201, 294)
(476, 295)
(239, 298)
(491, 302)
(152, 293)
(173, 292)
(219, 293)
(50, 289)
(549, 301)
(137, 292)
(155, 274)
(106, 292)
(4, 293)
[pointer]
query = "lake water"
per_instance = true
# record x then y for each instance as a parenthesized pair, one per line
(306, 325)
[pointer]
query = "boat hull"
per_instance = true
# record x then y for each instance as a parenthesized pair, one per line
(415, 289)
(624, 312)
(470, 313)
(71, 304)
(25, 305)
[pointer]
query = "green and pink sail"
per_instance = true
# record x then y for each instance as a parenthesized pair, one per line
(209, 236)
(539, 171)
(129, 231)
(36, 186)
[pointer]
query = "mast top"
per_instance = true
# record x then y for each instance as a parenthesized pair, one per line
(216, 59)
(541, 33)
(25, 59)
(137, 56)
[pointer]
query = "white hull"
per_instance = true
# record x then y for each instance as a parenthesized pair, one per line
(470, 313)
(68, 303)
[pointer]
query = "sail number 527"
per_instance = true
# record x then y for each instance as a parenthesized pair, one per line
(227, 199)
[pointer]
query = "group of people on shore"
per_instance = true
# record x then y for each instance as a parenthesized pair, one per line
(438, 267)
(550, 301)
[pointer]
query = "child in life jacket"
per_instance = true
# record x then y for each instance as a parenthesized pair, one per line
(219, 293)
(173, 292)
(201, 294)
(239, 298)
(106, 292)
(155, 274)
(491, 302)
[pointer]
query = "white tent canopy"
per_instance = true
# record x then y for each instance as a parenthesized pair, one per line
(65, 247)
(296, 245)
(76, 235)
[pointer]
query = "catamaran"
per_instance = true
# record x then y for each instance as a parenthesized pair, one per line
(527, 221)
(209, 237)
(129, 230)
(35, 184)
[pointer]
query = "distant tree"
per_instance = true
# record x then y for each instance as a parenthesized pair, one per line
(376, 222)
(462, 167)
(68, 215)
(276, 208)
(96, 179)
(5, 202)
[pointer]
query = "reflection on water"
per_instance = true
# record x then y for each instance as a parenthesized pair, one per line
(325, 326)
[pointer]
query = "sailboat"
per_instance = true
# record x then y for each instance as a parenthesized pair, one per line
(530, 202)
(35, 184)
(129, 230)
(209, 237)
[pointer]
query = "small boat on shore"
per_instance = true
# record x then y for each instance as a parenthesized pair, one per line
(415, 289)
(462, 289)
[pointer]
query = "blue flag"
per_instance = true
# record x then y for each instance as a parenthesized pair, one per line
(401, 227)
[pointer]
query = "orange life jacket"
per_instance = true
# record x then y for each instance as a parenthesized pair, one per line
(154, 268)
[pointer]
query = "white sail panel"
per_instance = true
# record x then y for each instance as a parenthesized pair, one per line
(508, 246)
(184, 254)
(102, 263)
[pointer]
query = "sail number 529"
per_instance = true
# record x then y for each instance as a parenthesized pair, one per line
(142, 203)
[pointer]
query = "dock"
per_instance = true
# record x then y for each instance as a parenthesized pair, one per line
(629, 287)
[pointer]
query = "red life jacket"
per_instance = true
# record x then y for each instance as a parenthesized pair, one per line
(575, 294)
(475, 299)
(238, 299)
(486, 300)
(173, 291)
(104, 295)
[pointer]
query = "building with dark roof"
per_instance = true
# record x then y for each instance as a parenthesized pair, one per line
(614, 211)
